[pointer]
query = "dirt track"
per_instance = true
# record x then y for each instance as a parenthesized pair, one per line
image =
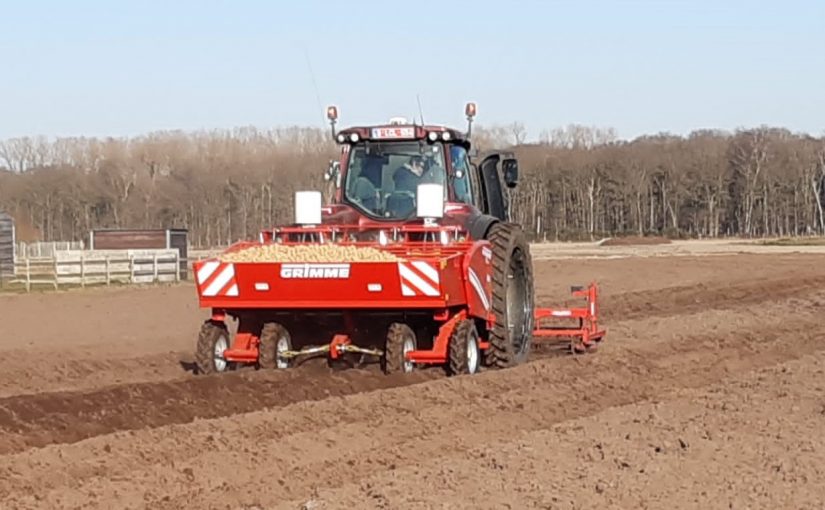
(708, 393)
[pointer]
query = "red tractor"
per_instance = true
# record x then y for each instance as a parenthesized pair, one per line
(453, 286)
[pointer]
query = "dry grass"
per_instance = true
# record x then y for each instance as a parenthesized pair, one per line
(635, 241)
(795, 241)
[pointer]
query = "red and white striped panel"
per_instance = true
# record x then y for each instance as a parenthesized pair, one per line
(479, 288)
(217, 279)
(419, 278)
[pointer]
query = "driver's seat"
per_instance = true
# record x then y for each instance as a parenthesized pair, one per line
(365, 192)
(400, 204)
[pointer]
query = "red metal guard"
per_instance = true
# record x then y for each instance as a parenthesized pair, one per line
(244, 348)
(587, 333)
(438, 354)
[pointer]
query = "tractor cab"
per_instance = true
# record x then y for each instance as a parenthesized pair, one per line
(380, 168)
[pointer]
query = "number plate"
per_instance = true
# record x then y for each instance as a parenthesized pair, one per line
(393, 132)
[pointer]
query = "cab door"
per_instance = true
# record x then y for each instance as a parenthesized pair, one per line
(492, 191)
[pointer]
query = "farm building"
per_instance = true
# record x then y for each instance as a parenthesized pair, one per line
(6, 245)
(136, 239)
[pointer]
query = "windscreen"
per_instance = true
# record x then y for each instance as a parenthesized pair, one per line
(382, 177)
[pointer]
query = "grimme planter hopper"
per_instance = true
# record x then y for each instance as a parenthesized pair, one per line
(413, 262)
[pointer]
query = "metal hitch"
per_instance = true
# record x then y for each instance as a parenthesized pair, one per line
(339, 345)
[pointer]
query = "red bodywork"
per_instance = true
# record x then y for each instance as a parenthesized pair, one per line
(451, 281)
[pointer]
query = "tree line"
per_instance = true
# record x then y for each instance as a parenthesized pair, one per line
(577, 182)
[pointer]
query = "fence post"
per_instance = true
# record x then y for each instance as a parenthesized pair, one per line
(108, 277)
(28, 275)
(131, 268)
(56, 274)
(82, 272)
(155, 267)
(177, 267)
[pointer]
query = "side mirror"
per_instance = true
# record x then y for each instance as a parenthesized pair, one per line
(510, 167)
(333, 173)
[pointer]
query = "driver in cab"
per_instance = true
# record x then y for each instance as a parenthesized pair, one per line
(413, 173)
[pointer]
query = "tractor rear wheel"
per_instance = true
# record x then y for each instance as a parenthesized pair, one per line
(400, 341)
(275, 339)
(513, 296)
(213, 340)
(464, 356)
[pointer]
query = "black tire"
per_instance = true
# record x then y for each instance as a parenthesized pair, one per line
(271, 334)
(513, 296)
(393, 361)
(463, 342)
(211, 334)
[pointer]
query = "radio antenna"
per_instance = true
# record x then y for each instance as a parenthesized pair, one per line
(314, 83)
(420, 110)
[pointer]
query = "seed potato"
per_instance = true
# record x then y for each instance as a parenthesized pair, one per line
(319, 253)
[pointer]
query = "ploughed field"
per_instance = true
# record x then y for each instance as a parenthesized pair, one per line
(709, 392)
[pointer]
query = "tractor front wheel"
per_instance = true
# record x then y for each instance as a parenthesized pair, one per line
(463, 349)
(400, 340)
(213, 340)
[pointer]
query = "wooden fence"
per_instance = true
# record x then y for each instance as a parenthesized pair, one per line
(41, 249)
(100, 267)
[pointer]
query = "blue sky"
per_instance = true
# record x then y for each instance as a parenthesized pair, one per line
(98, 68)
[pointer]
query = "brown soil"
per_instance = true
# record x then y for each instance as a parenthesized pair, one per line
(708, 392)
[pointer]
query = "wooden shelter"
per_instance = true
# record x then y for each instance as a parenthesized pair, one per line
(6, 245)
(136, 239)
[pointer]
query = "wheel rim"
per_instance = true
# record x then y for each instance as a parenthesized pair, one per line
(472, 353)
(280, 347)
(518, 302)
(409, 346)
(221, 345)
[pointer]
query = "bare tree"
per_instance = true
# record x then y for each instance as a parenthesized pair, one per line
(578, 182)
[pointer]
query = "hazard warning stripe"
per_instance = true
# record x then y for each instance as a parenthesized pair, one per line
(419, 278)
(206, 270)
(220, 281)
(216, 279)
(429, 271)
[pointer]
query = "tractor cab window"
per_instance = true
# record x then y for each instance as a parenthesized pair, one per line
(383, 177)
(460, 174)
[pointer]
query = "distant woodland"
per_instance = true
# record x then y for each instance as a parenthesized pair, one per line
(576, 182)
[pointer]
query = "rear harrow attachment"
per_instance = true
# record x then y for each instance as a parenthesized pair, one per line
(587, 334)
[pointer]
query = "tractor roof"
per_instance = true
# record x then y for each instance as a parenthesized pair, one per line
(400, 129)
(400, 132)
